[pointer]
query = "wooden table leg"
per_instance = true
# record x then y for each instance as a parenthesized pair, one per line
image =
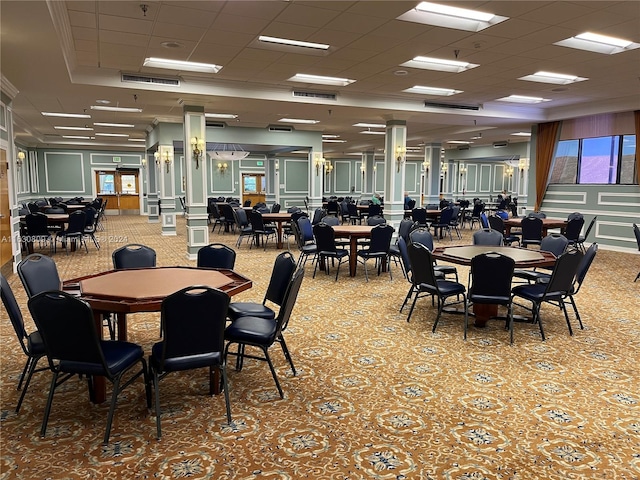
(353, 256)
(483, 312)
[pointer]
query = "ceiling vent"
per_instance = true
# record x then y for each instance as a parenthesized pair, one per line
(451, 106)
(463, 147)
(500, 144)
(216, 124)
(280, 128)
(166, 81)
(316, 95)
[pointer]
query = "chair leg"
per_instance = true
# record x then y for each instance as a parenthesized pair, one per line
(566, 316)
(32, 362)
(536, 315)
(156, 388)
(47, 409)
(273, 371)
(440, 307)
(24, 372)
(406, 299)
(575, 310)
(225, 387)
(287, 355)
(413, 305)
(112, 408)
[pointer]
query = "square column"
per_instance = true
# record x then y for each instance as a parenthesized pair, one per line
(151, 172)
(166, 176)
(195, 154)
(394, 161)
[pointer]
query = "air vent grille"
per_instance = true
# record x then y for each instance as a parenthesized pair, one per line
(216, 124)
(316, 95)
(500, 144)
(126, 77)
(463, 147)
(451, 106)
(280, 128)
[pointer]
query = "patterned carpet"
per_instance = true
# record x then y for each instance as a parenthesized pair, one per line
(375, 397)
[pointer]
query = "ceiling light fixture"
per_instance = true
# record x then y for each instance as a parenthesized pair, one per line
(78, 137)
(57, 127)
(328, 135)
(446, 92)
(112, 134)
(522, 99)
(228, 116)
(66, 115)
(459, 142)
(369, 125)
(373, 132)
(321, 80)
(438, 64)
(137, 140)
(521, 134)
(116, 125)
(595, 42)
(293, 43)
(105, 108)
(451, 17)
(555, 78)
(299, 120)
(330, 140)
(228, 152)
(181, 65)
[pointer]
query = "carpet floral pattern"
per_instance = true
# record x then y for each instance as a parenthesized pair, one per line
(375, 397)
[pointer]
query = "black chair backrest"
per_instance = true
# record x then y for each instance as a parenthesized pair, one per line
(376, 220)
(54, 210)
(246, 203)
(306, 229)
(330, 220)
(38, 273)
(325, 237)
(275, 208)
(13, 310)
(404, 228)
(33, 207)
(352, 208)
(411, 204)
(381, 238)
(636, 231)
(564, 272)
(216, 255)
(133, 255)
(241, 217)
(374, 209)
(531, 228)
(332, 206)
(574, 215)
(496, 223)
(68, 331)
(445, 216)
(573, 228)
(297, 215)
(227, 213)
(36, 224)
(491, 276)
(422, 271)
(294, 209)
(283, 268)
(422, 236)
(202, 330)
(289, 300)
(478, 207)
(91, 217)
(590, 226)
(317, 216)
(257, 222)
(404, 254)
(77, 222)
(555, 243)
(537, 215)
(488, 236)
(419, 215)
(585, 264)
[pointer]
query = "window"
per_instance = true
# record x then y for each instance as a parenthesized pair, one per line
(601, 160)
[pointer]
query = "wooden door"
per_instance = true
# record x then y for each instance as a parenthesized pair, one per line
(6, 252)
(253, 187)
(120, 189)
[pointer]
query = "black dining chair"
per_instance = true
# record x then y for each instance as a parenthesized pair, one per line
(261, 232)
(263, 333)
(531, 227)
(31, 343)
(133, 255)
(74, 233)
(378, 249)
(488, 236)
(573, 229)
(37, 230)
(73, 347)
(327, 249)
(427, 282)
(216, 255)
(555, 243)
(245, 230)
(38, 273)
(305, 248)
(497, 223)
(419, 215)
(583, 238)
(491, 275)
(423, 236)
(193, 322)
(555, 291)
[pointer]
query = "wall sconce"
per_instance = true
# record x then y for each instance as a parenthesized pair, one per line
(444, 169)
(222, 168)
(400, 151)
(328, 167)
(143, 161)
(509, 170)
(522, 164)
(277, 166)
(318, 162)
(197, 147)
(463, 170)
(20, 159)
(166, 157)
(425, 167)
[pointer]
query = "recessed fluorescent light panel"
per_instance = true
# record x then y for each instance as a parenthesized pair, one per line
(112, 135)
(72, 128)
(228, 116)
(181, 65)
(451, 17)
(594, 42)
(521, 134)
(459, 142)
(299, 120)
(438, 64)
(116, 125)
(66, 115)
(555, 78)
(293, 43)
(523, 99)
(77, 137)
(327, 135)
(432, 91)
(105, 108)
(333, 140)
(369, 125)
(320, 80)
(137, 140)
(373, 132)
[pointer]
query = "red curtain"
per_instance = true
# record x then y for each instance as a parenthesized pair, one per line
(545, 146)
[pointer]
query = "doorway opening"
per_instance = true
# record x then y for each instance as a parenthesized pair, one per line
(120, 188)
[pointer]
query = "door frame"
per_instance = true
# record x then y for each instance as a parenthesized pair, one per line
(249, 172)
(141, 192)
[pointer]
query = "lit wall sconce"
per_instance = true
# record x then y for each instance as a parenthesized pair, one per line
(222, 168)
(400, 151)
(509, 171)
(328, 168)
(463, 170)
(20, 159)
(318, 161)
(425, 167)
(143, 161)
(197, 147)
(277, 166)
(443, 168)
(522, 164)
(165, 157)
